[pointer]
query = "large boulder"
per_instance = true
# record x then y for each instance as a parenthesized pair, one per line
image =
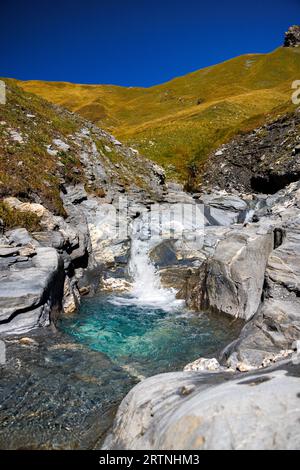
(235, 274)
(276, 326)
(31, 291)
(223, 209)
(211, 411)
(231, 280)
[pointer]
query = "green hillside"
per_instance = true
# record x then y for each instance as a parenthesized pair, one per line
(180, 122)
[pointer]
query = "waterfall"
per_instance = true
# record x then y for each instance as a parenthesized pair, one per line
(146, 286)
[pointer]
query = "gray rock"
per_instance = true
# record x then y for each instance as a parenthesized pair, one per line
(19, 236)
(75, 194)
(203, 411)
(29, 296)
(224, 201)
(231, 280)
(222, 208)
(61, 145)
(235, 274)
(292, 37)
(51, 238)
(6, 251)
(277, 323)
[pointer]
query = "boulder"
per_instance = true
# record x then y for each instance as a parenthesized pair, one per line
(54, 239)
(223, 209)
(6, 251)
(19, 237)
(28, 296)
(235, 274)
(211, 411)
(276, 325)
(231, 279)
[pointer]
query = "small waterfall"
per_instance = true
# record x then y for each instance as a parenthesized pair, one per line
(146, 286)
(255, 206)
(249, 215)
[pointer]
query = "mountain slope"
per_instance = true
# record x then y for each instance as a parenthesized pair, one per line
(45, 148)
(180, 122)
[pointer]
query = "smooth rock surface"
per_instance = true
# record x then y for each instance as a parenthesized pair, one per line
(30, 294)
(204, 411)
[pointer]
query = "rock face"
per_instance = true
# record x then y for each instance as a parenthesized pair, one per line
(231, 275)
(235, 274)
(31, 280)
(276, 325)
(263, 161)
(292, 37)
(211, 411)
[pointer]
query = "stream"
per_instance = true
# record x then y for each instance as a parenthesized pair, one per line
(60, 389)
(148, 331)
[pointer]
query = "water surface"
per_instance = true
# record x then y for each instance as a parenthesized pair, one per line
(147, 340)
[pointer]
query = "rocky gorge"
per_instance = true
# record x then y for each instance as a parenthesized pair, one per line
(230, 250)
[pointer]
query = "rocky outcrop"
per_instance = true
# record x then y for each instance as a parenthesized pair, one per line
(231, 275)
(263, 161)
(276, 326)
(31, 280)
(292, 37)
(235, 273)
(211, 411)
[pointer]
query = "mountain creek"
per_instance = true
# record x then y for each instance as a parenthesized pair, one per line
(137, 312)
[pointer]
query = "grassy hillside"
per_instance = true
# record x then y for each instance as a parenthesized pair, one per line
(44, 148)
(180, 122)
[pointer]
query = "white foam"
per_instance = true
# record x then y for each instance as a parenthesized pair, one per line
(146, 286)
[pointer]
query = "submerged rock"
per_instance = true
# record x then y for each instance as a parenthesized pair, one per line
(56, 394)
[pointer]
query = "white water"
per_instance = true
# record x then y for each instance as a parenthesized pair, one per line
(146, 286)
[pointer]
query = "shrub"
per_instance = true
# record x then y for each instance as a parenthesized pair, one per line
(13, 218)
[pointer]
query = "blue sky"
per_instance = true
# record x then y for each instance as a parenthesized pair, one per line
(134, 42)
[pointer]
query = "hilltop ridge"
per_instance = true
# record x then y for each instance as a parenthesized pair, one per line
(178, 124)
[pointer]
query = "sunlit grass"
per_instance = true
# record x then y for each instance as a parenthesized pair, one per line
(182, 121)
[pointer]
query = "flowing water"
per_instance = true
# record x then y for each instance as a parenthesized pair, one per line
(147, 340)
(147, 331)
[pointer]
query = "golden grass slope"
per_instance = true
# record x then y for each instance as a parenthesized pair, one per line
(180, 122)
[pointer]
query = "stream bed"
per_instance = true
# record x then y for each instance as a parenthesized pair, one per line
(145, 339)
(60, 389)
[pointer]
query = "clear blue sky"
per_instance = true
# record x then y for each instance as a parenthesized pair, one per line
(134, 42)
